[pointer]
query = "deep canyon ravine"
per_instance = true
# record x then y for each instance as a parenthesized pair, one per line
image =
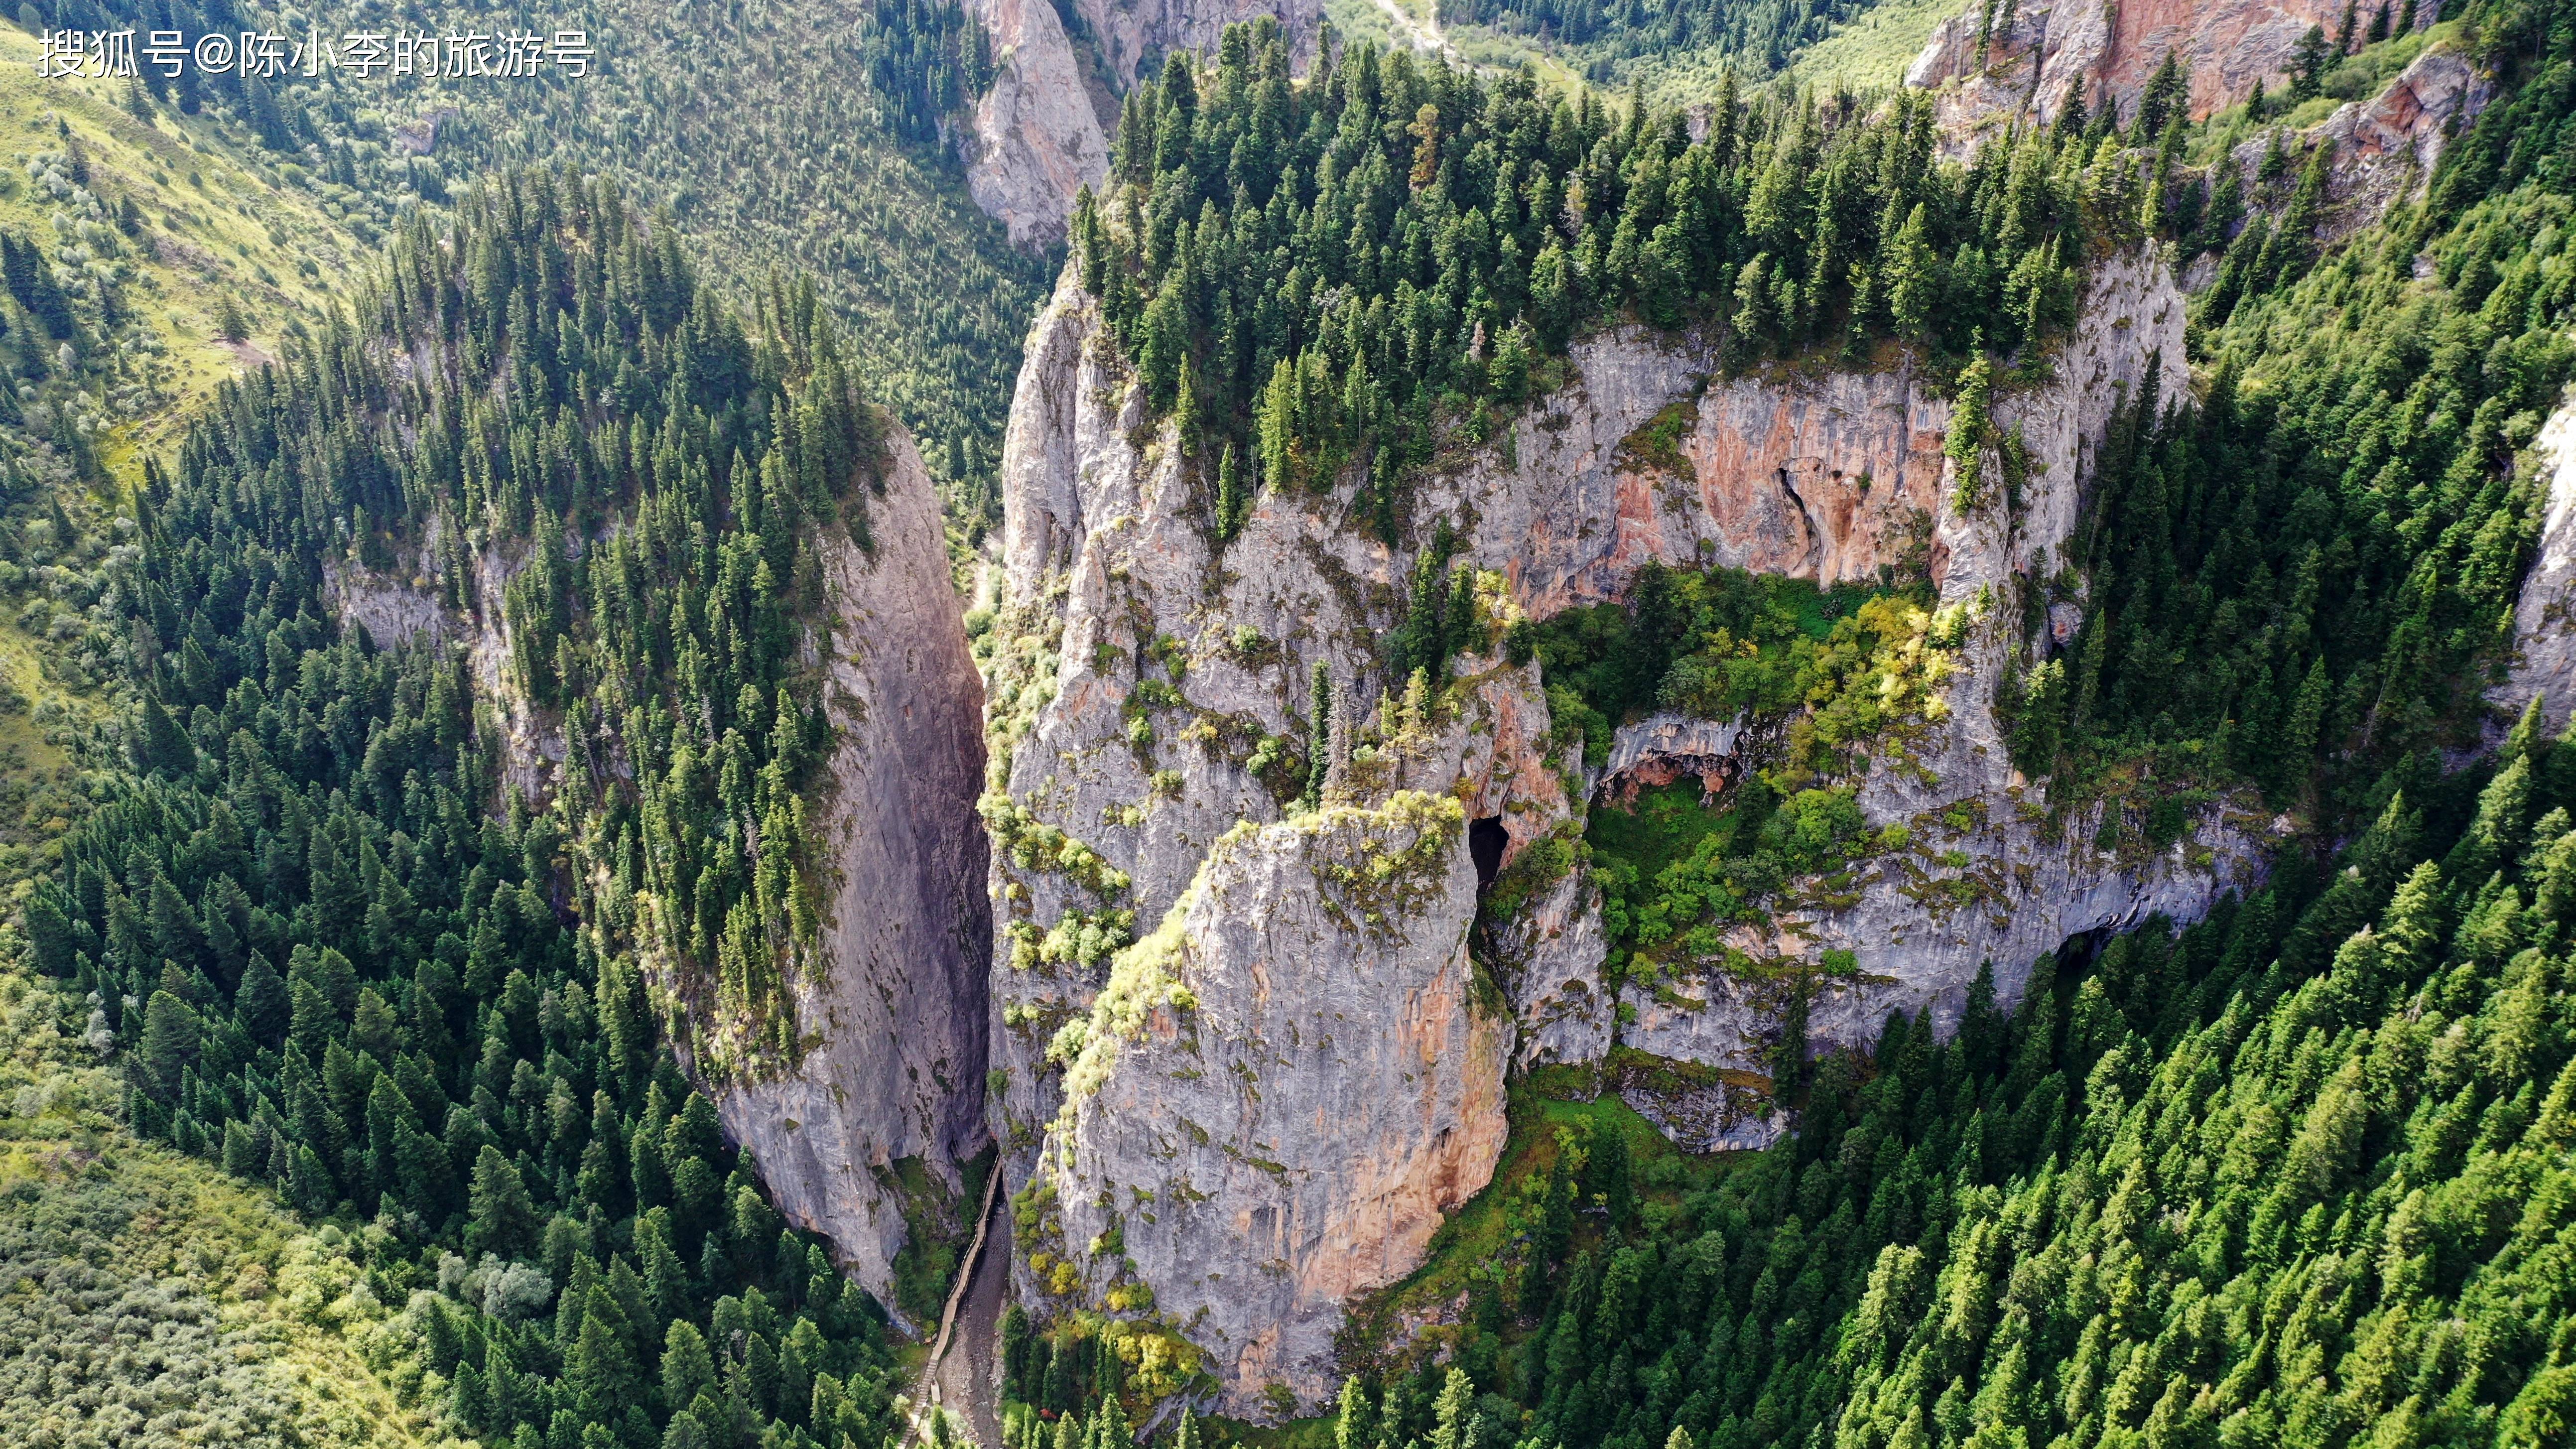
(1276, 1095)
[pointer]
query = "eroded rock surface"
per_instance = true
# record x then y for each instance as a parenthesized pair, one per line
(1041, 132)
(2544, 619)
(1983, 877)
(2386, 147)
(1144, 679)
(1147, 677)
(894, 1016)
(1038, 137)
(1131, 34)
(2108, 52)
(1287, 1085)
(1661, 748)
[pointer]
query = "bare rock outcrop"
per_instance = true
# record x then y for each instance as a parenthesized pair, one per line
(2386, 146)
(1284, 1088)
(1145, 684)
(1131, 33)
(2544, 618)
(893, 1015)
(1149, 680)
(1037, 138)
(1041, 132)
(1982, 876)
(2037, 49)
(1661, 748)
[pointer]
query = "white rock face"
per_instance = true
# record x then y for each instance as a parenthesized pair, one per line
(1041, 133)
(2385, 148)
(1130, 33)
(1662, 748)
(895, 1017)
(1037, 138)
(1820, 478)
(2109, 51)
(1292, 1134)
(1145, 672)
(1111, 581)
(2544, 619)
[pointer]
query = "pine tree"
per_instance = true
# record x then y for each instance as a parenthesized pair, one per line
(687, 1367)
(1451, 1413)
(1911, 279)
(1965, 444)
(2308, 64)
(1232, 504)
(171, 1033)
(502, 1218)
(1356, 1425)
(1320, 733)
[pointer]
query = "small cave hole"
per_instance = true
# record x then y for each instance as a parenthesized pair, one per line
(1485, 841)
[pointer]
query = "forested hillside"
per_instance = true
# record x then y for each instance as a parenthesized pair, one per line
(805, 139)
(178, 673)
(489, 1089)
(1601, 41)
(149, 1299)
(2297, 1176)
(359, 1086)
(2289, 582)
(1359, 265)
(1679, 54)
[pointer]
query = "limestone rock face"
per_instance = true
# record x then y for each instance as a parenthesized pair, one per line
(2109, 51)
(1304, 1083)
(1144, 681)
(1037, 138)
(1131, 33)
(1148, 681)
(1041, 133)
(1661, 748)
(2386, 147)
(895, 1015)
(1916, 922)
(2544, 617)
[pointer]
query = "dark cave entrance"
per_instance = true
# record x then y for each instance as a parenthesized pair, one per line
(1486, 840)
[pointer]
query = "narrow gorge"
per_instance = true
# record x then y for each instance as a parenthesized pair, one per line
(1293, 724)
(1252, 1014)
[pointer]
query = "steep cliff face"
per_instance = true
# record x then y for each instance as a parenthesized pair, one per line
(2385, 147)
(892, 1015)
(1146, 678)
(1144, 681)
(893, 1018)
(2035, 50)
(2544, 618)
(1130, 33)
(1041, 133)
(1834, 478)
(1283, 1088)
(1038, 137)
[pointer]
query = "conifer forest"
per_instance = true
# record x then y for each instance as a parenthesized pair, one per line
(1304, 724)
